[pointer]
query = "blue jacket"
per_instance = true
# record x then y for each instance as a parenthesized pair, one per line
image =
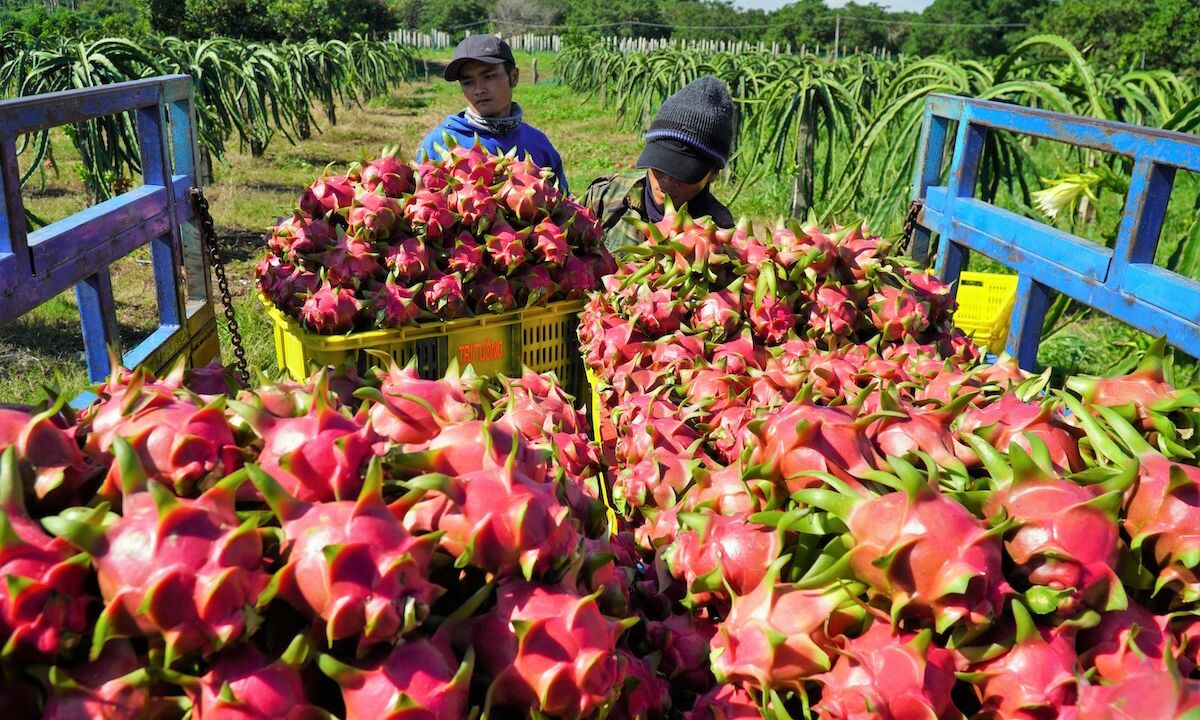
(528, 139)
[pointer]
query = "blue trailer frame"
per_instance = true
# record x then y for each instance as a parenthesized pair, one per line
(1122, 282)
(78, 250)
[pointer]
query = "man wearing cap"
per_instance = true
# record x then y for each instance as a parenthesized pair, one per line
(484, 68)
(686, 146)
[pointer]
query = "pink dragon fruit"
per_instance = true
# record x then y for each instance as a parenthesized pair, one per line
(897, 313)
(349, 261)
(548, 649)
(300, 236)
(724, 702)
(949, 573)
(801, 438)
(430, 214)
(177, 443)
(116, 684)
(549, 242)
(535, 286)
(1146, 695)
(833, 311)
(470, 164)
(330, 310)
(658, 312)
(326, 196)
(493, 294)
(682, 641)
(419, 678)
(408, 409)
(719, 313)
(1125, 642)
(433, 175)
(185, 570)
(476, 205)
(49, 462)
(408, 258)
(778, 635)
(888, 674)
(318, 456)
(465, 258)
(351, 562)
(443, 295)
(499, 519)
(506, 246)
(390, 173)
(394, 306)
(772, 320)
(1009, 420)
(372, 215)
(644, 695)
(528, 192)
(1035, 678)
(583, 228)
(933, 291)
(721, 555)
(44, 609)
(285, 284)
(575, 277)
(245, 684)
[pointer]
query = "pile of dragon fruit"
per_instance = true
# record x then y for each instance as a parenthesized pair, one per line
(392, 244)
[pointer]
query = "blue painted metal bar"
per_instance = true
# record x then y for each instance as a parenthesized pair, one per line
(98, 314)
(1122, 282)
(78, 250)
(930, 155)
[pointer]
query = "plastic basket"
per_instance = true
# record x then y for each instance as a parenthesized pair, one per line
(541, 338)
(985, 303)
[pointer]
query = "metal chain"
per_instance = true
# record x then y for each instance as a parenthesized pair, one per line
(208, 232)
(910, 224)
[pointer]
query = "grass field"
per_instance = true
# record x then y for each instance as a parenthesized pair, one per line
(250, 193)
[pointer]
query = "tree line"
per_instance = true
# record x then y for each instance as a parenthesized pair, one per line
(1120, 33)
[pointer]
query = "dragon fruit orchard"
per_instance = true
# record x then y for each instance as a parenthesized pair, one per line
(391, 244)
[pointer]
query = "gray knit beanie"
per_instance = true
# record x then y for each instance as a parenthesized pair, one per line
(701, 115)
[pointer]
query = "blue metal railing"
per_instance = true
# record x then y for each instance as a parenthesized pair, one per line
(78, 250)
(1122, 282)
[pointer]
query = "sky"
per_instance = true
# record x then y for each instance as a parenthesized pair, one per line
(895, 5)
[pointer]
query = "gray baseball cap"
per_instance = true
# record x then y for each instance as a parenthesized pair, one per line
(483, 48)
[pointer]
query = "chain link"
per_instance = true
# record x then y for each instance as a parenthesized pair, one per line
(910, 224)
(208, 232)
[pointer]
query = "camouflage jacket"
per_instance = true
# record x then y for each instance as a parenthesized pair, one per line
(618, 195)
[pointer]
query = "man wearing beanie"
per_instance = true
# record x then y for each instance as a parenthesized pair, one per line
(687, 144)
(485, 70)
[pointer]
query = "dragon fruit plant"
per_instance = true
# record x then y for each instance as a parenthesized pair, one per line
(392, 244)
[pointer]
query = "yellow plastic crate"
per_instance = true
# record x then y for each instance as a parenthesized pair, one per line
(985, 303)
(541, 338)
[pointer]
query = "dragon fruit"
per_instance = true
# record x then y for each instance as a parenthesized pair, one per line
(801, 438)
(722, 555)
(506, 246)
(185, 570)
(534, 285)
(778, 634)
(772, 320)
(719, 313)
(549, 242)
(493, 294)
(888, 674)
(44, 608)
(548, 649)
(1035, 678)
(327, 196)
(316, 457)
(644, 695)
(476, 205)
(430, 214)
(1009, 419)
(349, 261)
(46, 454)
(116, 684)
(724, 702)
(922, 550)
(408, 409)
(528, 192)
(1147, 695)
(443, 296)
(390, 173)
(300, 236)
(419, 678)
(465, 257)
(1125, 642)
(394, 306)
(682, 641)
(409, 258)
(330, 310)
(657, 312)
(245, 684)
(833, 312)
(351, 562)
(575, 277)
(897, 313)
(372, 215)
